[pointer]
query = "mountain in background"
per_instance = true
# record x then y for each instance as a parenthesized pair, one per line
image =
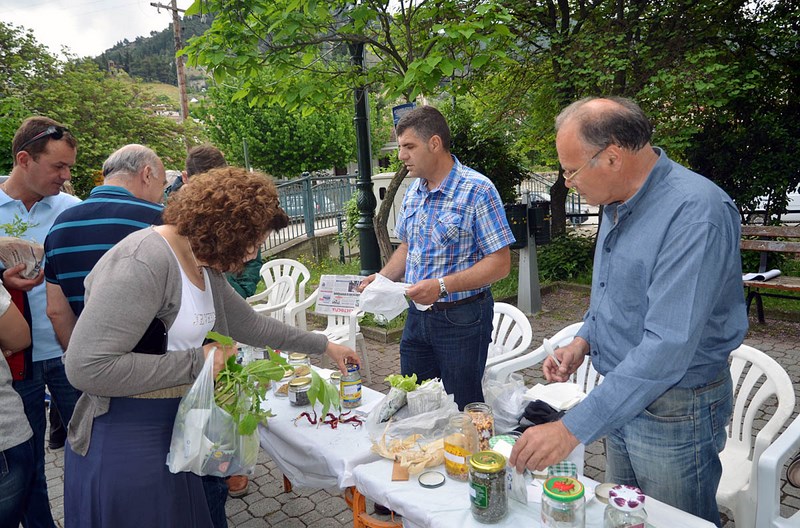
(152, 58)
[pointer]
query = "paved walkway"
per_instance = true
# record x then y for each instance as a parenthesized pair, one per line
(267, 505)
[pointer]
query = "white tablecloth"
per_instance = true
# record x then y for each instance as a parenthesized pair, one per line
(449, 505)
(311, 456)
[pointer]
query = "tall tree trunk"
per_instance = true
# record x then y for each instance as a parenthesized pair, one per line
(381, 231)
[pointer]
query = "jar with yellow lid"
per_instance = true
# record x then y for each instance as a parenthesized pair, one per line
(280, 388)
(487, 487)
(298, 358)
(298, 391)
(563, 503)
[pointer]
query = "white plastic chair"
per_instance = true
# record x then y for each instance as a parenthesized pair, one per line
(274, 300)
(774, 457)
(502, 370)
(511, 334)
(284, 267)
(757, 379)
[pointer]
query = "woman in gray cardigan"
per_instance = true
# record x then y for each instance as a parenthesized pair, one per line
(119, 435)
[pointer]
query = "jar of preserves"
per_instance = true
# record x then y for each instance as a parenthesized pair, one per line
(335, 378)
(350, 387)
(460, 441)
(487, 487)
(298, 391)
(483, 418)
(280, 388)
(565, 468)
(563, 503)
(296, 358)
(625, 508)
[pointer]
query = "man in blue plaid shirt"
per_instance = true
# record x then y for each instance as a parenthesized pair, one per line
(455, 243)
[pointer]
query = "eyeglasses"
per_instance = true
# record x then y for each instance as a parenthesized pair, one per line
(568, 175)
(56, 132)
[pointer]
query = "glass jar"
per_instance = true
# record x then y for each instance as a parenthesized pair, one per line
(335, 378)
(280, 388)
(350, 387)
(298, 391)
(460, 441)
(563, 503)
(296, 358)
(482, 417)
(565, 468)
(487, 487)
(625, 508)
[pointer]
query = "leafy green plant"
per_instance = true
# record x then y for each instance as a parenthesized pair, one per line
(239, 390)
(566, 258)
(17, 227)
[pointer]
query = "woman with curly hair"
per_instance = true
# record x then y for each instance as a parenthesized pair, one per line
(119, 436)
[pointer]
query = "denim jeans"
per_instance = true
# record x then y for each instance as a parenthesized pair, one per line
(16, 477)
(49, 372)
(451, 345)
(216, 490)
(671, 450)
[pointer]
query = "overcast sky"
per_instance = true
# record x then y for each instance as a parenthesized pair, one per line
(87, 27)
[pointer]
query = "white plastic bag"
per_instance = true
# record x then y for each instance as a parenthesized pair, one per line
(507, 402)
(205, 440)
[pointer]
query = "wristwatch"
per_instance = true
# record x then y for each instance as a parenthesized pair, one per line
(442, 289)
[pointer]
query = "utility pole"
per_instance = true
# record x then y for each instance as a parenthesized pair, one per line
(179, 60)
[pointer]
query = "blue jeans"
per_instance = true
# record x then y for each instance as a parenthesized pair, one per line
(49, 372)
(671, 450)
(451, 345)
(216, 490)
(16, 476)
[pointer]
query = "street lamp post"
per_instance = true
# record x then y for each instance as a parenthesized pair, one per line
(367, 241)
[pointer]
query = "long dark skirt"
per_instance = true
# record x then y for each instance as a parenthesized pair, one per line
(123, 480)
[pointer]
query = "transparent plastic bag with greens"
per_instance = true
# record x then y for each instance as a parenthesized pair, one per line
(215, 426)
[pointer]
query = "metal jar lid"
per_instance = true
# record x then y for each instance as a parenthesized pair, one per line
(335, 376)
(487, 462)
(563, 489)
(300, 383)
(298, 356)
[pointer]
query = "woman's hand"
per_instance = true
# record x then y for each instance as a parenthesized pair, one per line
(342, 355)
(222, 355)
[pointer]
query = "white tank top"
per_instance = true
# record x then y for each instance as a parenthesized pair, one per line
(196, 316)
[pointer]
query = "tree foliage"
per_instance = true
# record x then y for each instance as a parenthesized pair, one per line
(412, 46)
(279, 142)
(103, 111)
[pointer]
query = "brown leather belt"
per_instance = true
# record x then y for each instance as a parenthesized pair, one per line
(442, 306)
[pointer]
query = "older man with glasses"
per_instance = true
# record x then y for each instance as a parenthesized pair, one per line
(666, 311)
(44, 151)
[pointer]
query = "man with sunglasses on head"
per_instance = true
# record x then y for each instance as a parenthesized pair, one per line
(44, 151)
(666, 311)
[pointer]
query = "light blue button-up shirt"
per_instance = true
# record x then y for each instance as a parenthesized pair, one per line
(41, 217)
(452, 227)
(667, 305)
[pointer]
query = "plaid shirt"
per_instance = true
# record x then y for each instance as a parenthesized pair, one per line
(450, 229)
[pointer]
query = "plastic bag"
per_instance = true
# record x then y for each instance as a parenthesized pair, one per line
(430, 425)
(507, 401)
(205, 439)
(428, 397)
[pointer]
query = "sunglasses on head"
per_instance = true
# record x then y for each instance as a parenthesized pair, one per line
(56, 132)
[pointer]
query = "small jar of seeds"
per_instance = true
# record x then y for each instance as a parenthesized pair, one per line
(483, 418)
(298, 391)
(487, 487)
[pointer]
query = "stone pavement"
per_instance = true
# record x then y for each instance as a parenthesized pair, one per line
(267, 505)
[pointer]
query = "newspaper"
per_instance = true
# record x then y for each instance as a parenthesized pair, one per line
(15, 250)
(338, 294)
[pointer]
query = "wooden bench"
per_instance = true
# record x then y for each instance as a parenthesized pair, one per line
(771, 239)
